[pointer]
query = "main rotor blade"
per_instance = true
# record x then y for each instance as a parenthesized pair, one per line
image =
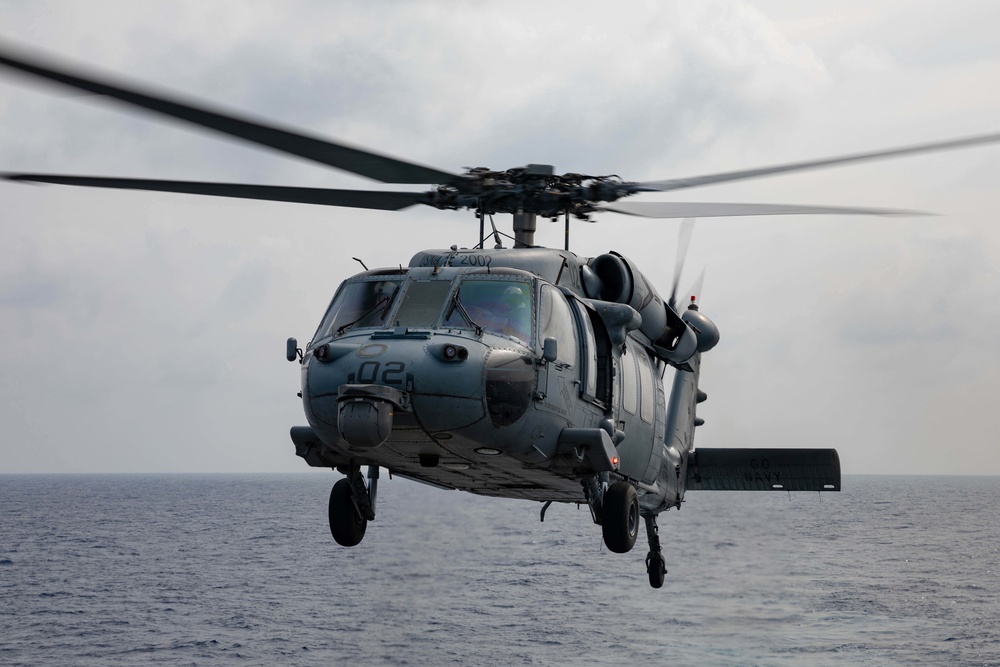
(676, 209)
(680, 183)
(355, 160)
(387, 201)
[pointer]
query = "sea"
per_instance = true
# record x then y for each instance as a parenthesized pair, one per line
(241, 570)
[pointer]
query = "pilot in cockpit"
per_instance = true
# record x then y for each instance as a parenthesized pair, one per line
(516, 311)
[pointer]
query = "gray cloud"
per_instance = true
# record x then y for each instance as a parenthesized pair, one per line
(145, 331)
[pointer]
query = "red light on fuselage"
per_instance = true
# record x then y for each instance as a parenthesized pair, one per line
(614, 460)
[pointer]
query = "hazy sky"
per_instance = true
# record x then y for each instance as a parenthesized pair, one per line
(145, 332)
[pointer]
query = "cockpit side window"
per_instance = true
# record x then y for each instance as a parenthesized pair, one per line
(555, 320)
(501, 307)
(359, 304)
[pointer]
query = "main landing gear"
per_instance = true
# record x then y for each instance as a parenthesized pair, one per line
(352, 506)
(620, 517)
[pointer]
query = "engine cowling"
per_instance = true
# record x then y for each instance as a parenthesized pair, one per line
(613, 277)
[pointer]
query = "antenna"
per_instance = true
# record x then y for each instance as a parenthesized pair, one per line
(567, 231)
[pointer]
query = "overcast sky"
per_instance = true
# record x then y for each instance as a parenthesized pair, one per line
(145, 332)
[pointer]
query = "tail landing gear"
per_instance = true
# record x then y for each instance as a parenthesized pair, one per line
(352, 506)
(616, 509)
(655, 565)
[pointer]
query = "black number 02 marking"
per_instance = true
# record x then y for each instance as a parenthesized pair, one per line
(392, 374)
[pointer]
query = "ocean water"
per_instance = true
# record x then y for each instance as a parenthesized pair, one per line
(241, 569)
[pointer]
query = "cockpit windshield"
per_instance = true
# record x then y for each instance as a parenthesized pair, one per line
(360, 304)
(501, 307)
(422, 303)
(498, 305)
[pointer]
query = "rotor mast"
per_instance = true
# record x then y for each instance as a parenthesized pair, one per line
(525, 224)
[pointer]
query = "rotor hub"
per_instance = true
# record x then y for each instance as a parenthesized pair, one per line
(530, 189)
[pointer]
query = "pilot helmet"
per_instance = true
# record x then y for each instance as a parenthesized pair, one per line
(514, 297)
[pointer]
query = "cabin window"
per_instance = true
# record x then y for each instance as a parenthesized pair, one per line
(588, 354)
(360, 304)
(555, 320)
(646, 390)
(501, 307)
(422, 303)
(630, 382)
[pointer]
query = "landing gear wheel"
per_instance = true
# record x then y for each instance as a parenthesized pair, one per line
(656, 569)
(346, 524)
(621, 517)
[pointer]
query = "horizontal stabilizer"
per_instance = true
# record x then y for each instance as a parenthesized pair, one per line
(764, 470)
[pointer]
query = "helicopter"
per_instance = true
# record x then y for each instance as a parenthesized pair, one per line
(516, 372)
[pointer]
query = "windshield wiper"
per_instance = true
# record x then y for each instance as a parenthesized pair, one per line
(384, 302)
(456, 303)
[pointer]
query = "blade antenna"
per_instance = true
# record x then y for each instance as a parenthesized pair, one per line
(496, 235)
(567, 229)
(482, 228)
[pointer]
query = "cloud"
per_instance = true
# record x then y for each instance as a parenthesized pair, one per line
(865, 57)
(146, 331)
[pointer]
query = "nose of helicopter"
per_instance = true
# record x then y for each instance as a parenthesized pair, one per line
(361, 388)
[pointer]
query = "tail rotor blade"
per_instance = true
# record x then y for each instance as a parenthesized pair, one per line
(695, 291)
(683, 243)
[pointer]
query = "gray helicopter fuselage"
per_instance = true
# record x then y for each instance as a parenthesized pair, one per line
(478, 397)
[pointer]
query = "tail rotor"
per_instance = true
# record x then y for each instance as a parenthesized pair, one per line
(704, 328)
(683, 243)
(694, 292)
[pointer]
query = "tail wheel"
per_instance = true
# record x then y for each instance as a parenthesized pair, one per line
(621, 517)
(346, 523)
(656, 569)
